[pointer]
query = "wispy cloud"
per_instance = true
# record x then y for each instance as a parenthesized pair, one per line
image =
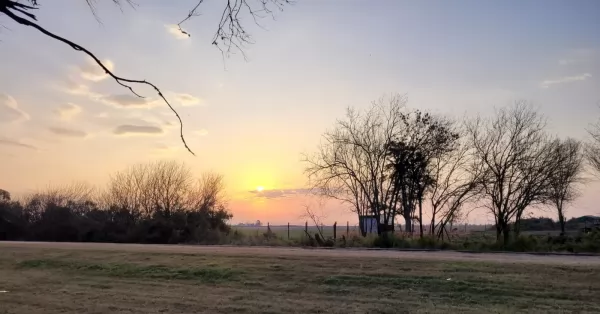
(187, 100)
(575, 56)
(67, 132)
(202, 132)
(164, 149)
(176, 32)
(67, 111)
(128, 101)
(15, 143)
(566, 61)
(130, 129)
(10, 111)
(280, 193)
(566, 79)
(93, 72)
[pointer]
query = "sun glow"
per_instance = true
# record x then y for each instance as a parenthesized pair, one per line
(259, 188)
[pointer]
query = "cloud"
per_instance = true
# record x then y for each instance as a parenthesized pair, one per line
(128, 101)
(280, 193)
(176, 32)
(129, 129)
(187, 100)
(202, 132)
(566, 61)
(164, 149)
(102, 115)
(574, 56)
(67, 132)
(566, 79)
(93, 72)
(67, 111)
(10, 111)
(115, 100)
(15, 143)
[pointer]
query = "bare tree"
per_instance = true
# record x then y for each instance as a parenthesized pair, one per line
(455, 182)
(143, 189)
(207, 193)
(350, 162)
(512, 150)
(565, 174)
(316, 218)
(231, 32)
(592, 149)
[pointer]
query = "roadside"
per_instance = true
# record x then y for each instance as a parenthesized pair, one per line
(503, 257)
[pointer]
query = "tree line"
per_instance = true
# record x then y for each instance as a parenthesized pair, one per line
(157, 202)
(391, 161)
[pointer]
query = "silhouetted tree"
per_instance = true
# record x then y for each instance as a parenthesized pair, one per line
(565, 174)
(230, 34)
(455, 182)
(592, 149)
(176, 210)
(4, 195)
(350, 164)
(145, 188)
(514, 154)
(423, 139)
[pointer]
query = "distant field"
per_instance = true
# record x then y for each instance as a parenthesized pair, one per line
(107, 278)
(296, 232)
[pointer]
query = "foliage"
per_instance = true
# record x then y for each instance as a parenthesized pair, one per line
(165, 207)
(423, 139)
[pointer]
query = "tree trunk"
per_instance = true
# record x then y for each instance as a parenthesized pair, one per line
(498, 231)
(361, 226)
(506, 231)
(408, 221)
(561, 219)
(421, 218)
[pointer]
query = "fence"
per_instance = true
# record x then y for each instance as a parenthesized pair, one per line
(299, 231)
(335, 231)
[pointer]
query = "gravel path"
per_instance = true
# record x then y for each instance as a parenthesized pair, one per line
(338, 253)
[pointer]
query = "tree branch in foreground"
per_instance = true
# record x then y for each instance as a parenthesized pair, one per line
(11, 5)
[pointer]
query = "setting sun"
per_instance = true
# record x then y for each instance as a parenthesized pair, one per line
(259, 188)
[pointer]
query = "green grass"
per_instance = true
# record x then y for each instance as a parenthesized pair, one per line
(128, 270)
(71, 281)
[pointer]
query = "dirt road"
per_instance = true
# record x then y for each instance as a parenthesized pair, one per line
(338, 253)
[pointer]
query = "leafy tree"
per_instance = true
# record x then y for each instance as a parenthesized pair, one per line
(423, 139)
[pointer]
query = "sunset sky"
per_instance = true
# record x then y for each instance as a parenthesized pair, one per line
(62, 120)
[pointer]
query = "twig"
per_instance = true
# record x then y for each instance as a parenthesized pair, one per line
(120, 80)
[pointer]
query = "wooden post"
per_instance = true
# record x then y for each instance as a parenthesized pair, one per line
(288, 230)
(334, 230)
(347, 229)
(306, 227)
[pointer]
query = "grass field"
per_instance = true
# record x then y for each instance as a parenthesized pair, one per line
(171, 279)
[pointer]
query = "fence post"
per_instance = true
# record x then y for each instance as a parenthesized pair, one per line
(306, 227)
(347, 229)
(288, 230)
(334, 230)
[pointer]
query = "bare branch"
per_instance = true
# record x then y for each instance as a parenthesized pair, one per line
(120, 80)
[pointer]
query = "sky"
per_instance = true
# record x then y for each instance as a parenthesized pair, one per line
(63, 120)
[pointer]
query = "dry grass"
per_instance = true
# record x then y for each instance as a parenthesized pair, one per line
(42, 280)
